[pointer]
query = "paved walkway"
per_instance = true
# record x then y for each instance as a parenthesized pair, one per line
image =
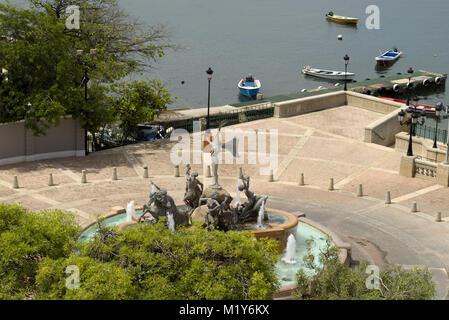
(322, 145)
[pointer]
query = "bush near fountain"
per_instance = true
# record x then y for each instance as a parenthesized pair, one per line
(155, 263)
(332, 280)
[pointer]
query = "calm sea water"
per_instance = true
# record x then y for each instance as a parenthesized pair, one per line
(274, 39)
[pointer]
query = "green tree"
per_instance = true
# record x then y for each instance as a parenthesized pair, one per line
(190, 263)
(43, 72)
(25, 240)
(332, 280)
(35, 50)
(137, 102)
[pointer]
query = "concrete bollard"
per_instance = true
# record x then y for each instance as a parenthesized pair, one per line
(414, 207)
(331, 184)
(301, 179)
(177, 174)
(271, 178)
(388, 198)
(360, 191)
(84, 177)
(114, 174)
(50, 180)
(208, 172)
(145, 172)
(16, 183)
(438, 219)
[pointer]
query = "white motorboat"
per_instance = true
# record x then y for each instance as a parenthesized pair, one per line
(328, 74)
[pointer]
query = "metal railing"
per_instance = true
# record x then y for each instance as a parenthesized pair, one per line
(428, 132)
(240, 115)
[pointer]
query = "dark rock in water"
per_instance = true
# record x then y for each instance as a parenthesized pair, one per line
(286, 279)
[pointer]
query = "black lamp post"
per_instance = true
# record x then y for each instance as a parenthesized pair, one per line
(409, 85)
(84, 81)
(415, 106)
(346, 58)
(438, 109)
(209, 73)
(411, 121)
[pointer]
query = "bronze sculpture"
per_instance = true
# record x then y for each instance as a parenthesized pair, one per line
(249, 210)
(159, 204)
(194, 189)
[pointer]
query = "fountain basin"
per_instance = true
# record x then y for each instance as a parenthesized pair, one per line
(283, 224)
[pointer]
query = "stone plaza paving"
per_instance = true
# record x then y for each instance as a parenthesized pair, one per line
(322, 145)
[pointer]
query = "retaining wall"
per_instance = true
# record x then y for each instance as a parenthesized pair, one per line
(421, 147)
(310, 104)
(18, 144)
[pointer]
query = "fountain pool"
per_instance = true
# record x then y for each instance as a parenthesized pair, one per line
(285, 272)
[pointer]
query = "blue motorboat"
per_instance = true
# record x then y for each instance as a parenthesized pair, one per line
(389, 57)
(249, 86)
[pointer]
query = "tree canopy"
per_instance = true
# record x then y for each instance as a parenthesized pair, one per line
(26, 239)
(44, 75)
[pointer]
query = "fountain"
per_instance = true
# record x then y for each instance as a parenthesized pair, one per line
(212, 208)
(261, 216)
(170, 221)
(290, 251)
(130, 211)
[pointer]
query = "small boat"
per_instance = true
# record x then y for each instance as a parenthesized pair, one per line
(341, 19)
(390, 56)
(249, 86)
(425, 107)
(328, 74)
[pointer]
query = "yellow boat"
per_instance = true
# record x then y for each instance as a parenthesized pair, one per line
(340, 19)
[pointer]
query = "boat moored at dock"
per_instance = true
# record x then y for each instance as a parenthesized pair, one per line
(249, 86)
(389, 57)
(328, 74)
(425, 107)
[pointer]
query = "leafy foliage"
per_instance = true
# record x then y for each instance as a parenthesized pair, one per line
(25, 240)
(137, 102)
(333, 280)
(100, 281)
(155, 263)
(141, 262)
(43, 80)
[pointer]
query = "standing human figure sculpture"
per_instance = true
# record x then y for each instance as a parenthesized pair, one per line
(194, 189)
